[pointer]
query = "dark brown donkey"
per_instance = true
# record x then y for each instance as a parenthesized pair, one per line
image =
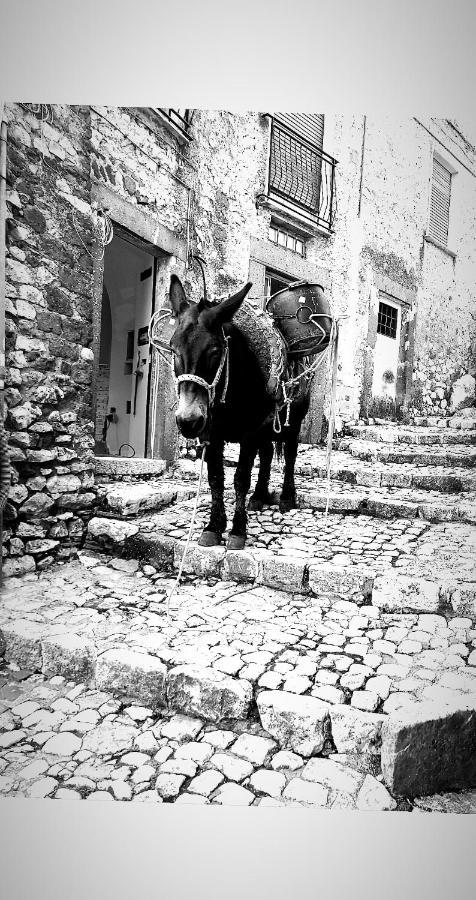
(225, 400)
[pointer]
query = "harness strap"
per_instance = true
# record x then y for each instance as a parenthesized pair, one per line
(211, 387)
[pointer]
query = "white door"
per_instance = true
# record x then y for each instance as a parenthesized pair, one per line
(387, 348)
(141, 362)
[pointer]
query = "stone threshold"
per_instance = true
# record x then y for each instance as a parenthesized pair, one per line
(361, 583)
(459, 456)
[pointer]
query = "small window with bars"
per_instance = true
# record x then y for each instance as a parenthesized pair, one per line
(285, 238)
(387, 322)
(440, 202)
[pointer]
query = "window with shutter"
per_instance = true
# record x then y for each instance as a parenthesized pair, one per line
(440, 202)
(301, 175)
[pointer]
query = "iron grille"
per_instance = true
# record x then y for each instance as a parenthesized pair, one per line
(181, 118)
(387, 320)
(301, 175)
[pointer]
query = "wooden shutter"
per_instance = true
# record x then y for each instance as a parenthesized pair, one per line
(295, 167)
(307, 125)
(440, 202)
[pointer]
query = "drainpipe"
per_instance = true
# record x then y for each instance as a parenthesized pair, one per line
(362, 165)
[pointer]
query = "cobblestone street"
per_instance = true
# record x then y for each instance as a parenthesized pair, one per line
(281, 674)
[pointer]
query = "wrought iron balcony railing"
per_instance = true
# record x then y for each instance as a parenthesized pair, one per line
(301, 176)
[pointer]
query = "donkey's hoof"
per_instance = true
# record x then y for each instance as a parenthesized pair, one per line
(236, 542)
(209, 539)
(286, 504)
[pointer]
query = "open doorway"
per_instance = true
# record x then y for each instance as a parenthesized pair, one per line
(124, 354)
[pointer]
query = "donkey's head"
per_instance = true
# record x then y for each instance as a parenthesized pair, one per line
(198, 345)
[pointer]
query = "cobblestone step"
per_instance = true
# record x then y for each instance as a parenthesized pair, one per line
(107, 467)
(69, 741)
(387, 501)
(407, 565)
(131, 499)
(407, 434)
(323, 673)
(456, 456)
(374, 473)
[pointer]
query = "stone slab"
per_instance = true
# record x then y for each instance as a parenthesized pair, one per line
(140, 676)
(297, 723)
(208, 693)
(68, 655)
(430, 747)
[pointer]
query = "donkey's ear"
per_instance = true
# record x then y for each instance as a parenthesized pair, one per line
(225, 310)
(177, 296)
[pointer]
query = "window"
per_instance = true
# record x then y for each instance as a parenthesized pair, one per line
(275, 281)
(440, 202)
(301, 175)
(178, 120)
(387, 321)
(285, 238)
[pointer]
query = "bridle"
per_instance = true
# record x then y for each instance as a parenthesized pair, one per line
(211, 387)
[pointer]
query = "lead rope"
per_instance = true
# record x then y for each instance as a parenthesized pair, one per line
(330, 434)
(189, 536)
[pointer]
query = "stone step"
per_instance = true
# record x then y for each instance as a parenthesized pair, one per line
(408, 434)
(373, 472)
(399, 565)
(455, 456)
(112, 467)
(321, 669)
(385, 502)
(125, 500)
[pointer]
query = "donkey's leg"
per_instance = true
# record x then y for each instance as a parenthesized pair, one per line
(261, 495)
(288, 493)
(242, 481)
(212, 533)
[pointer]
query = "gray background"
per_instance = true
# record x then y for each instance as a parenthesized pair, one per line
(401, 58)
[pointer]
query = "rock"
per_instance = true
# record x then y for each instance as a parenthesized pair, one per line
(254, 748)
(395, 593)
(116, 531)
(70, 656)
(64, 744)
(306, 792)
(203, 561)
(333, 775)
(283, 572)
(23, 643)
(136, 675)
(286, 760)
(109, 738)
(206, 783)
(240, 566)
(298, 723)
(168, 785)
(233, 795)
(208, 693)
(345, 582)
(62, 484)
(463, 393)
(428, 747)
(41, 545)
(354, 731)
(233, 769)
(265, 782)
(21, 417)
(181, 728)
(10, 738)
(38, 504)
(374, 797)
(18, 566)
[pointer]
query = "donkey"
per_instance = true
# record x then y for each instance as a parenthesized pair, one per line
(204, 335)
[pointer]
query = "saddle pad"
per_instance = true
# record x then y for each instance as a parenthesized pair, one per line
(265, 341)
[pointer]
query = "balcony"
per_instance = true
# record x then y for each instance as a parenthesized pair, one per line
(301, 178)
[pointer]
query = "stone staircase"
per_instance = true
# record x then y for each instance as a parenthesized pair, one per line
(347, 632)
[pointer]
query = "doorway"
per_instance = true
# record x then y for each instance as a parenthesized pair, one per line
(387, 350)
(121, 427)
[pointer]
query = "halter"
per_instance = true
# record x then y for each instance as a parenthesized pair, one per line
(211, 388)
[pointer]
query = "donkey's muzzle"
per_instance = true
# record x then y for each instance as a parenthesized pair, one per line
(190, 426)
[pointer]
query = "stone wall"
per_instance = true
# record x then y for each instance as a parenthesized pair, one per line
(48, 334)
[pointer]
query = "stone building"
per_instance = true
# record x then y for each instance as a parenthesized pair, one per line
(103, 204)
